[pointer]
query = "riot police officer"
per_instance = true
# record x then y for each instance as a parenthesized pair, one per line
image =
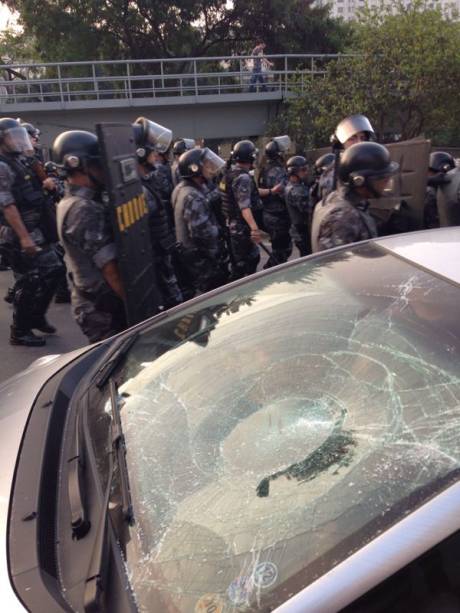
(297, 198)
(34, 135)
(85, 232)
(161, 171)
(272, 178)
(197, 229)
(365, 171)
(33, 160)
(53, 187)
(34, 262)
(180, 146)
(240, 199)
(148, 136)
(439, 165)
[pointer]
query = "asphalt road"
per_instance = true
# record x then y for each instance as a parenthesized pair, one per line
(17, 358)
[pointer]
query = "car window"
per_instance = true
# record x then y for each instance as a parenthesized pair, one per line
(278, 426)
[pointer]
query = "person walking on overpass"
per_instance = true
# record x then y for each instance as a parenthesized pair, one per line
(260, 61)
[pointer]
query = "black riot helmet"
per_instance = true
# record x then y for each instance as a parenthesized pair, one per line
(182, 145)
(351, 126)
(32, 131)
(14, 137)
(295, 164)
(150, 136)
(277, 146)
(440, 161)
(200, 163)
(323, 163)
(244, 151)
(363, 164)
(76, 150)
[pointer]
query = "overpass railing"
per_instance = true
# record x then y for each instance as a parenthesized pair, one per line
(130, 79)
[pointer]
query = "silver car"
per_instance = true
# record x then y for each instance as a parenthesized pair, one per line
(288, 442)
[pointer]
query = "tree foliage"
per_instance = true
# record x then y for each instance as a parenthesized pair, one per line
(137, 29)
(404, 77)
(14, 44)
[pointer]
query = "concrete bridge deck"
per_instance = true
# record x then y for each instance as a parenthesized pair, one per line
(210, 97)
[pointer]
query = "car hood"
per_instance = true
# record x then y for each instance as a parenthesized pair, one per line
(17, 396)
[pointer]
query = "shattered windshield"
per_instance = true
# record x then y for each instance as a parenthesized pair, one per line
(277, 427)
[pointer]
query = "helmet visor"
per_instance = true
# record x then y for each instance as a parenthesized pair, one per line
(283, 142)
(386, 185)
(350, 126)
(17, 140)
(212, 163)
(158, 137)
(189, 143)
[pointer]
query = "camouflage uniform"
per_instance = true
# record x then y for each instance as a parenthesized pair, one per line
(199, 237)
(341, 219)
(163, 243)
(161, 179)
(276, 219)
(322, 187)
(86, 234)
(238, 192)
(36, 276)
(299, 208)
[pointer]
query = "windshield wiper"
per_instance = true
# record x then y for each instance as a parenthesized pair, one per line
(97, 570)
(114, 360)
(119, 446)
(80, 521)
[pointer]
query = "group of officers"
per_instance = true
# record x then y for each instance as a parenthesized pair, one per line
(208, 219)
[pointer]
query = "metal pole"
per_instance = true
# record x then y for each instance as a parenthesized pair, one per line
(196, 77)
(128, 74)
(96, 85)
(60, 83)
(285, 73)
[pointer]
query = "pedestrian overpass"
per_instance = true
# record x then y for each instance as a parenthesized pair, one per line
(207, 97)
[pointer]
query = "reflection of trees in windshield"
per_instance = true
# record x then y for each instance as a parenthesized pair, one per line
(196, 326)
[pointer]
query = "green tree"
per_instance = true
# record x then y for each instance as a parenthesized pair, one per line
(404, 77)
(136, 29)
(16, 46)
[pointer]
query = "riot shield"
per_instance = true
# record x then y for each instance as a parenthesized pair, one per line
(130, 221)
(448, 200)
(413, 159)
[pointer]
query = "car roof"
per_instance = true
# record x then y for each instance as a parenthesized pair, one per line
(438, 251)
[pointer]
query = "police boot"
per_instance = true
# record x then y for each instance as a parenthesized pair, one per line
(42, 325)
(25, 337)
